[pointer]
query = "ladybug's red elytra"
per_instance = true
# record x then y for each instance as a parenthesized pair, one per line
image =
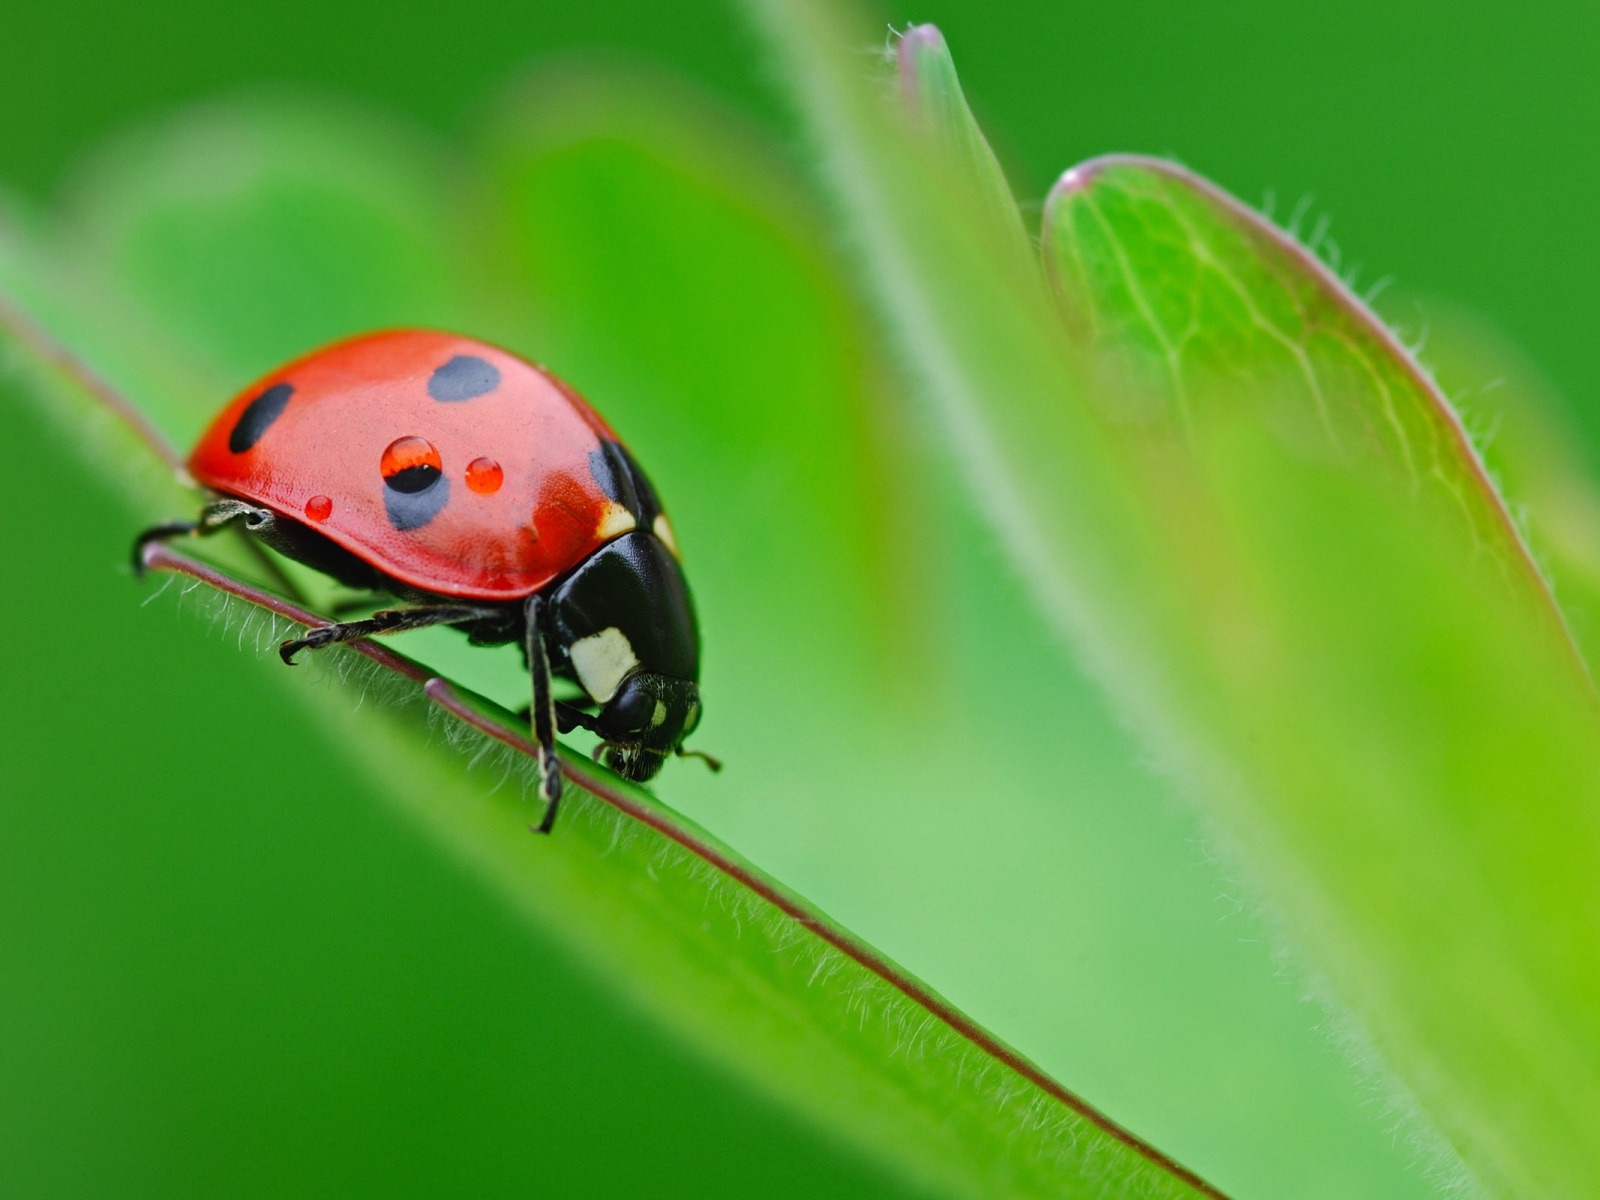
(488, 495)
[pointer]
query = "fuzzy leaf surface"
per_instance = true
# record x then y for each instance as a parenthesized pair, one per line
(753, 984)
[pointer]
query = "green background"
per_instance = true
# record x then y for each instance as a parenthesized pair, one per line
(226, 968)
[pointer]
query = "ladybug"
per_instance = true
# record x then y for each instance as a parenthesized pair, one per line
(485, 494)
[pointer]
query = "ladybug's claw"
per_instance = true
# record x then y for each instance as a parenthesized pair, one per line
(710, 760)
(289, 649)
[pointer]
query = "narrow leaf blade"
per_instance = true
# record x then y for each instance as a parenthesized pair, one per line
(938, 108)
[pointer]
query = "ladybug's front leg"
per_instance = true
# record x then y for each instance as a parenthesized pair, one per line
(219, 514)
(543, 717)
(390, 620)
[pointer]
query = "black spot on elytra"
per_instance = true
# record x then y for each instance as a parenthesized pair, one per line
(258, 417)
(413, 479)
(464, 377)
(408, 510)
(621, 479)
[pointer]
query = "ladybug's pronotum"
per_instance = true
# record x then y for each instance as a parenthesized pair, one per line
(487, 495)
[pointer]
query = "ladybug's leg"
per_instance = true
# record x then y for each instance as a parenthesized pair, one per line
(217, 515)
(570, 717)
(543, 717)
(391, 620)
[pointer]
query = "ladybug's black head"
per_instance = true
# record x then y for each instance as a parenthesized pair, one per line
(647, 720)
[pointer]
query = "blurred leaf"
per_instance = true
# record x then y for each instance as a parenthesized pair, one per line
(672, 266)
(937, 107)
(770, 989)
(1404, 749)
(1533, 447)
(219, 244)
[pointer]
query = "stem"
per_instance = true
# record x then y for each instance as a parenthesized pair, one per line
(469, 708)
(36, 339)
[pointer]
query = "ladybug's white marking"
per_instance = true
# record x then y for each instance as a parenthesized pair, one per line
(664, 532)
(617, 520)
(603, 660)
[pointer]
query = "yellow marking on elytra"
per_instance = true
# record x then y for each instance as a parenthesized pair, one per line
(664, 531)
(617, 520)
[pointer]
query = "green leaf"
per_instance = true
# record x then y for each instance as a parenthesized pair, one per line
(757, 980)
(1184, 292)
(1402, 748)
(1195, 300)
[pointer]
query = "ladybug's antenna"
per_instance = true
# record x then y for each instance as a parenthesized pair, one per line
(714, 763)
